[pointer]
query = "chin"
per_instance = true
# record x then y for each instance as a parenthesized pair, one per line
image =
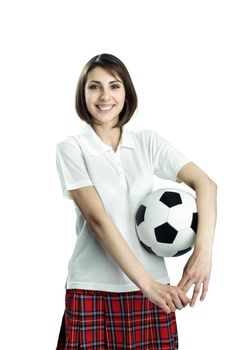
(107, 120)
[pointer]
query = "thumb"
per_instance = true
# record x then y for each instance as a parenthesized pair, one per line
(184, 284)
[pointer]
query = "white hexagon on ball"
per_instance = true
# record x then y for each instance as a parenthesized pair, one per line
(157, 216)
(180, 217)
(184, 239)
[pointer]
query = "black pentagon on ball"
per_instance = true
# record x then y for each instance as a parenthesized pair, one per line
(171, 199)
(194, 223)
(165, 233)
(182, 252)
(140, 214)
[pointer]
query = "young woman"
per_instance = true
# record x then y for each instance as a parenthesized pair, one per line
(118, 295)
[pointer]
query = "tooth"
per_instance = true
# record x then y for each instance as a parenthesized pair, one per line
(105, 108)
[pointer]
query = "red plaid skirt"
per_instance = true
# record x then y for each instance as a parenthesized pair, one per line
(116, 321)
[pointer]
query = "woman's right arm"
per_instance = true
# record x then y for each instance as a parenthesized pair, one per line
(90, 204)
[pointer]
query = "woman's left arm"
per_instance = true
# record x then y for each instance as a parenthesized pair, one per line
(198, 267)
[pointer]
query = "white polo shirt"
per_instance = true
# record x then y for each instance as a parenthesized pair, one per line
(122, 179)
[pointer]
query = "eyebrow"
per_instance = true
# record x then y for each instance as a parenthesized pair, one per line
(98, 82)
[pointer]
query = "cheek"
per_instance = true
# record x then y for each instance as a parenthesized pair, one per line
(121, 97)
(90, 105)
(90, 98)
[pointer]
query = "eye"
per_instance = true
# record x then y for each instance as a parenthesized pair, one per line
(116, 86)
(92, 86)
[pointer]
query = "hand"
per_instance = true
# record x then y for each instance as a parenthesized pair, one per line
(168, 297)
(197, 271)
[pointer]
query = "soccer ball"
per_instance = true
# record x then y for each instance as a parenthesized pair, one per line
(166, 222)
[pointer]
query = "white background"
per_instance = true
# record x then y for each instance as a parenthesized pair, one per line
(190, 62)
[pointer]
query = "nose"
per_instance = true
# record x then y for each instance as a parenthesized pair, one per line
(105, 94)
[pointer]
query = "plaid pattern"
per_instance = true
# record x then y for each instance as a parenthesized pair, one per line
(116, 321)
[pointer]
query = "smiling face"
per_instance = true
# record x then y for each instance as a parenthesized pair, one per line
(105, 95)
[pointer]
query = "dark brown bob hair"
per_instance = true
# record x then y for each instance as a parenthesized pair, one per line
(112, 64)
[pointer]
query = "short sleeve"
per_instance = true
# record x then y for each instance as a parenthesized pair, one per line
(71, 167)
(166, 159)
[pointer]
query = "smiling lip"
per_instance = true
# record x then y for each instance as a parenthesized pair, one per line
(104, 107)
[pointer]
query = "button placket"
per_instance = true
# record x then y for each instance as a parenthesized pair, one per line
(118, 162)
(119, 168)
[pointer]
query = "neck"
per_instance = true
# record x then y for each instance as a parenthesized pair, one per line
(108, 135)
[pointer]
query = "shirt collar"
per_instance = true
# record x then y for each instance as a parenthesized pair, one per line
(94, 145)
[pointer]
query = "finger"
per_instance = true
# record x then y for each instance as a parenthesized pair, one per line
(170, 305)
(204, 291)
(183, 297)
(195, 293)
(166, 309)
(179, 304)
